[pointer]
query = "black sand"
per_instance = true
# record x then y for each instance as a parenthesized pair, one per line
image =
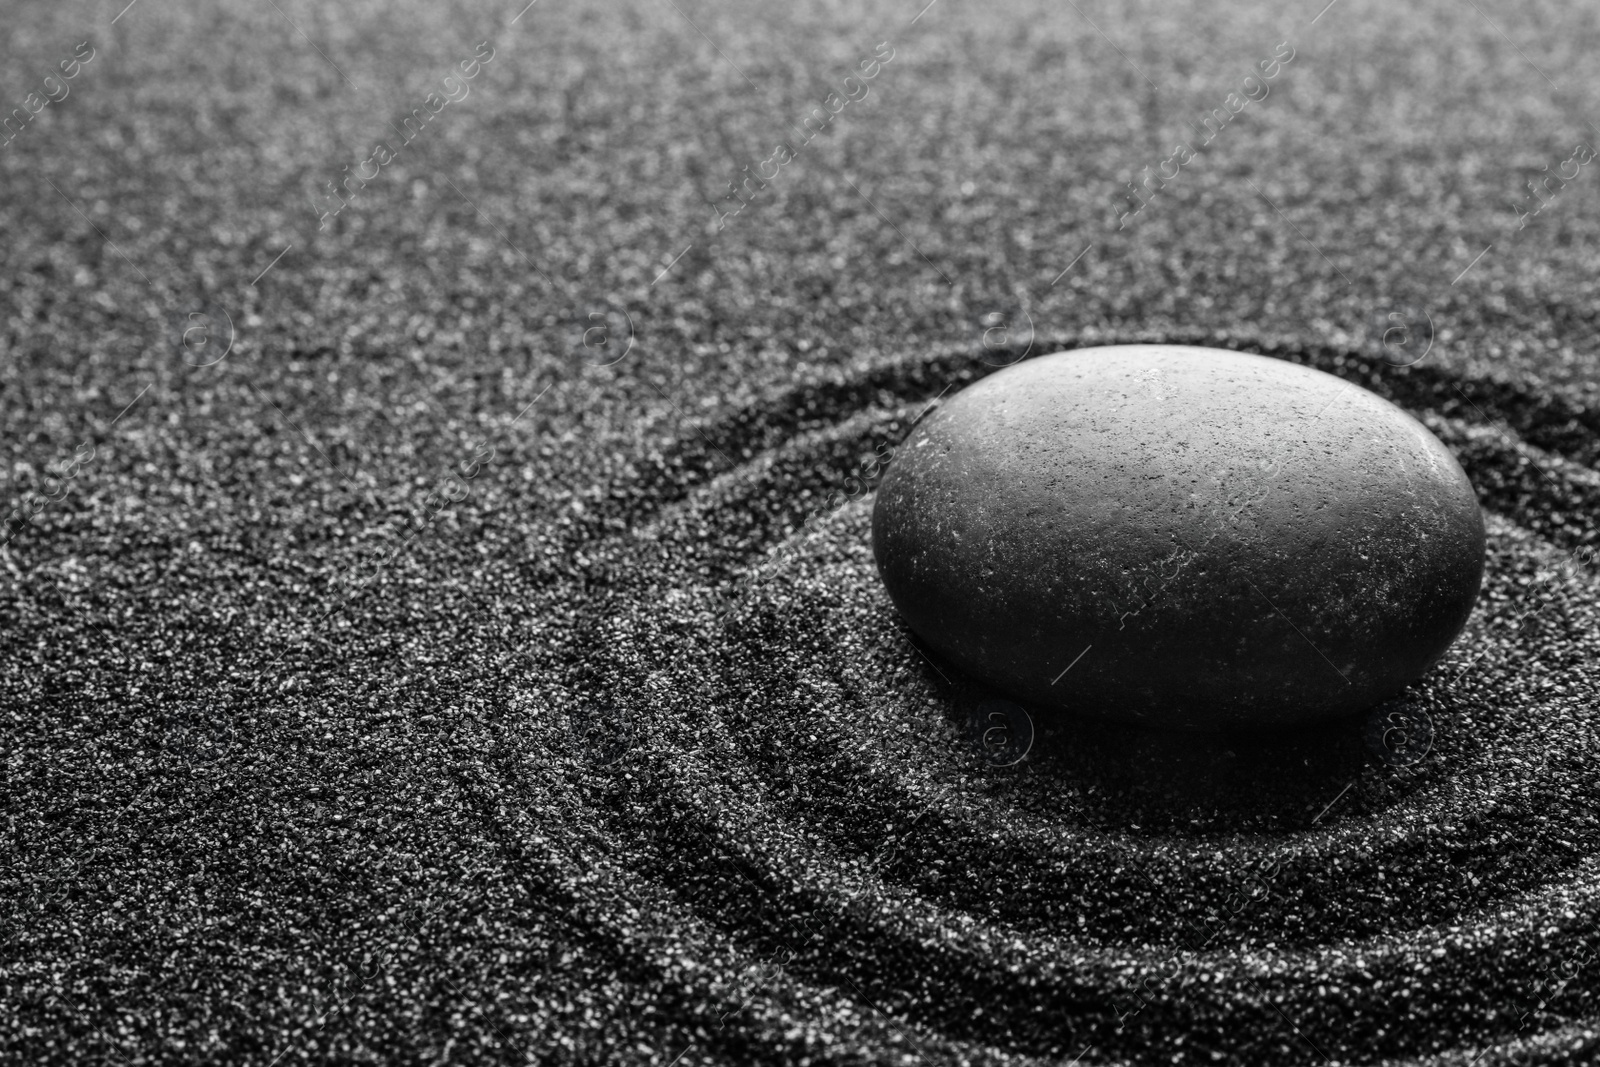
(604, 752)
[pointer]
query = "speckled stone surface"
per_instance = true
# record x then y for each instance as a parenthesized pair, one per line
(1180, 536)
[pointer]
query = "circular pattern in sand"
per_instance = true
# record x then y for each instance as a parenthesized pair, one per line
(810, 848)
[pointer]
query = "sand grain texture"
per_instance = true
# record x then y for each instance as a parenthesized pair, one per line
(416, 684)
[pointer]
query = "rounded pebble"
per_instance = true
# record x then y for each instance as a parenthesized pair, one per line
(1184, 537)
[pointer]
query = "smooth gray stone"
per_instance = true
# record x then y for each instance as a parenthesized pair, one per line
(1179, 536)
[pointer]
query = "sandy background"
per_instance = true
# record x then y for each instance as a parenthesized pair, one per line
(367, 690)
